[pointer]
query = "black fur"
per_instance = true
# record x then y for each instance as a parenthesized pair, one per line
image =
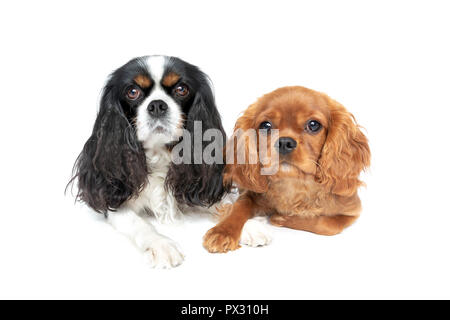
(199, 184)
(112, 167)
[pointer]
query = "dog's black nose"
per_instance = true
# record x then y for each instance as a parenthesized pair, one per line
(157, 108)
(285, 145)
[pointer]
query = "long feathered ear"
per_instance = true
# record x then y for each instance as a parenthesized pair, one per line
(243, 165)
(111, 168)
(344, 155)
(200, 183)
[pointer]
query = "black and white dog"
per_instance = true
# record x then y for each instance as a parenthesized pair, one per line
(125, 170)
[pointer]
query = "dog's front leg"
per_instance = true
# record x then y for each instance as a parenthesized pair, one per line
(160, 251)
(225, 235)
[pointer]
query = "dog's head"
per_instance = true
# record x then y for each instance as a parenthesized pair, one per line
(145, 106)
(315, 136)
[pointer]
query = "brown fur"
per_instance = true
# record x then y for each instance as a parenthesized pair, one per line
(170, 79)
(315, 188)
(143, 81)
(225, 236)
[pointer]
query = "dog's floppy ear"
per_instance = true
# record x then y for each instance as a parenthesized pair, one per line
(345, 153)
(111, 168)
(200, 184)
(243, 166)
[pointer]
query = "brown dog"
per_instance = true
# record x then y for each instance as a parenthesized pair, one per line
(321, 152)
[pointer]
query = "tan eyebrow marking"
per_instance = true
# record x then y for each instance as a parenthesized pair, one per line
(170, 79)
(143, 81)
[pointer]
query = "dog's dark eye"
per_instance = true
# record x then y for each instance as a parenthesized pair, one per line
(181, 90)
(313, 126)
(133, 93)
(266, 125)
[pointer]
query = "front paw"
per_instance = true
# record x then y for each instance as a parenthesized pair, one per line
(220, 240)
(256, 233)
(163, 253)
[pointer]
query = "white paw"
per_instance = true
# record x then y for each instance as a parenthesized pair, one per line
(256, 233)
(163, 253)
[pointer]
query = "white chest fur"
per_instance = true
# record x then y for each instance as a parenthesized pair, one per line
(154, 198)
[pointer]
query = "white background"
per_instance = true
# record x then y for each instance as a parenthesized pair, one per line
(386, 61)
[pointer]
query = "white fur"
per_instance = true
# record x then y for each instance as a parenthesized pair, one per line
(159, 250)
(145, 124)
(256, 233)
(154, 199)
(156, 66)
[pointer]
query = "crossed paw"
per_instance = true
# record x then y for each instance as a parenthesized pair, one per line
(221, 239)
